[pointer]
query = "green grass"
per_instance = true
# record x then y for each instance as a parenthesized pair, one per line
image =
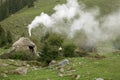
(1, 50)
(107, 68)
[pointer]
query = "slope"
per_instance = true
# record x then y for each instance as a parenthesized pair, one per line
(17, 23)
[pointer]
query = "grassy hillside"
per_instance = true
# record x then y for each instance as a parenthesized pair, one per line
(17, 23)
(88, 68)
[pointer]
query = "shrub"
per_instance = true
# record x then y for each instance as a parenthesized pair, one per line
(18, 55)
(50, 44)
(49, 53)
(68, 49)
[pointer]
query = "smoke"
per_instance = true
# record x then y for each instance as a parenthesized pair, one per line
(111, 25)
(72, 16)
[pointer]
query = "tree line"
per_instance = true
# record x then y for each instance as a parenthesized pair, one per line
(8, 7)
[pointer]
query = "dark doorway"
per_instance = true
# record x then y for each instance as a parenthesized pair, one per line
(31, 48)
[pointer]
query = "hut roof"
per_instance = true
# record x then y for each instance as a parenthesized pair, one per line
(23, 41)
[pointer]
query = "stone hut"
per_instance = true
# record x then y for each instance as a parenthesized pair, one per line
(26, 45)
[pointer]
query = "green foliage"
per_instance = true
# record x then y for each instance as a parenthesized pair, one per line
(9, 37)
(22, 56)
(8, 7)
(30, 3)
(68, 49)
(2, 37)
(5, 39)
(49, 53)
(18, 55)
(55, 40)
(51, 43)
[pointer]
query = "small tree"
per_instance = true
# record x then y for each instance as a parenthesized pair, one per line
(69, 49)
(51, 43)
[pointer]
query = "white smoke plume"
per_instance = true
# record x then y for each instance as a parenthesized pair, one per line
(73, 16)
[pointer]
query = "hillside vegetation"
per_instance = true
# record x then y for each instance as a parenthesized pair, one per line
(17, 23)
(83, 65)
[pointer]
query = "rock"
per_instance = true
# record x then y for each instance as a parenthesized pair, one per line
(63, 63)
(80, 63)
(11, 60)
(61, 70)
(25, 45)
(60, 74)
(4, 75)
(33, 63)
(28, 65)
(34, 68)
(71, 71)
(6, 72)
(20, 70)
(52, 62)
(21, 63)
(77, 77)
(4, 65)
(99, 79)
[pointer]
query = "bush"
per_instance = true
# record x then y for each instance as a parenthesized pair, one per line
(68, 49)
(18, 55)
(49, 53)
(50, 44)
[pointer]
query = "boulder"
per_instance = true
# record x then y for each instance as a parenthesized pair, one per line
(63, 63)
(20, 70)
(26, 45)
(4, 75)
